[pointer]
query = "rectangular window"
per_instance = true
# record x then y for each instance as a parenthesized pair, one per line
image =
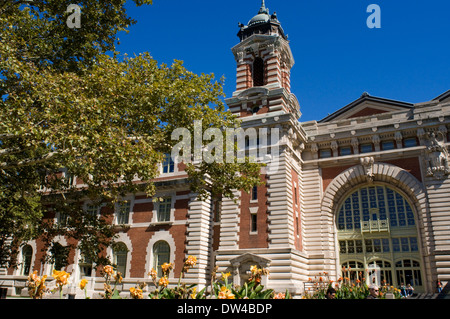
(168, 165)
(63, 218)
(254, 193)
(254, 224)
(351, 247)
(387, 145)
(325, 153)
(123, 213)
(92, 210)
(345, 151)
(164, 210)
(366, 148)
(410, 142)
(369, 246)
(343, 246)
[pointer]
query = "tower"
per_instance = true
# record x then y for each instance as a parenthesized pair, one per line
(263, 228)
(264, 61)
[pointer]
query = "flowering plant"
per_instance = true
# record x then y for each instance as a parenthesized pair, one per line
(181, 291)
(82, 285)
(108, 274)
(62, 279)
(36, 285)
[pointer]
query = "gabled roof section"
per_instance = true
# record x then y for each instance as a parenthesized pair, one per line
(444, 97)
(367, 105)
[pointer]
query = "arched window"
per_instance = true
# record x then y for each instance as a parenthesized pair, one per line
(376, 225)
(120, 254)
(161, 255)
(375, 203)
(258, 72)
(27, 254)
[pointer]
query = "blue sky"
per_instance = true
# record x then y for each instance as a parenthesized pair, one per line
(337, 57)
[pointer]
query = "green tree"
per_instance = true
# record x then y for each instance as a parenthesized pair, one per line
(72, 106)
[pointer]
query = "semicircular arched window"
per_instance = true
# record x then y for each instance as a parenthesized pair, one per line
(377, 231)
(161, 255)
(375, 206)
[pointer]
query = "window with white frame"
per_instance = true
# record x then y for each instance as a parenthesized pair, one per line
(164, 208)
(120, 256)
(168, 165)
(123, 213)
(161, 255)
(27, 255)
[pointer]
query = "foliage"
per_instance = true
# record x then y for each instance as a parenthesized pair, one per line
(36, 285)
(111, 292)
(62, 279)
(72, 107)
(345, 287)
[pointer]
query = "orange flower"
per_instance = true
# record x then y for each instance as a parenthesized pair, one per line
(83, 283)
(279, 296)
(164, 281)
(153, 274)
(225, 293)
(108, 270)
(166, 267)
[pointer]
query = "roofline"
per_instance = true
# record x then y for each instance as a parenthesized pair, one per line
(365, 97)
(442, 96)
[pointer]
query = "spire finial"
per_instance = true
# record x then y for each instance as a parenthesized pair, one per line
(263, 8)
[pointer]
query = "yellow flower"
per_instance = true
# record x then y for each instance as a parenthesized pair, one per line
(225, 293)
(225, 276)
(166, 267)
(83, 283)
(164, 281)
(191, 261)
(194, 293)
(108, 270)
(118, 277)
(136, 293)
(153, 274)
(61, 277)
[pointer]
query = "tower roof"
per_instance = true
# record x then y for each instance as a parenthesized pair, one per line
(261, 17)
(261, 23)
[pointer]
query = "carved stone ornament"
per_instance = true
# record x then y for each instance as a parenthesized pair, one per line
(367, 164)
(436, 156)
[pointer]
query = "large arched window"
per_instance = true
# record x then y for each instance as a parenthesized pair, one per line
(258, 72)
(161, 255)
(377, 229)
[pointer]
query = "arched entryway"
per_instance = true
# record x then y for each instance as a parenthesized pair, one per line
(378, 214)
(377, 233)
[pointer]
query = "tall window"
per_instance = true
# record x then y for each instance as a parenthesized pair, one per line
(85, 265)
(377, 230)
(120, 254)
(27, 254)
(168, 165)
(254, 193)
(161, 255)
(258, 72)
(123, 213)
(164, 210)
(254, 222)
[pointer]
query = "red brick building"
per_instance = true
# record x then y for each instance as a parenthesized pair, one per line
(367, 187)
